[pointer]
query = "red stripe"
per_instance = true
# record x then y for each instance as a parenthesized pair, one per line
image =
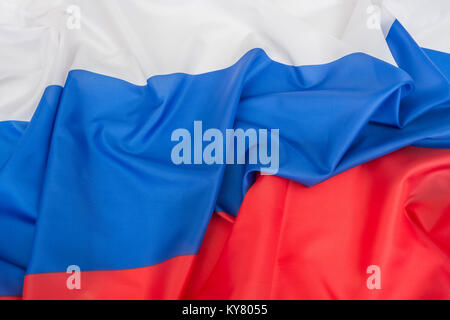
(162, 281)
(293, 242)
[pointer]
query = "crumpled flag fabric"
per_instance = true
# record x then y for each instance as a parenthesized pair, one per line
(89, 179)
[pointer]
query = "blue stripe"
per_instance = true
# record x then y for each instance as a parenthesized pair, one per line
(10, 133)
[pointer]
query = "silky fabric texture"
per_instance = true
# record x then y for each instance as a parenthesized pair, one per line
(136, 39)
(293, 242)
(89, 179)
(410, 108)
(87, 166)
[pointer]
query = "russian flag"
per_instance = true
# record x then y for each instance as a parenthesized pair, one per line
(226, 149)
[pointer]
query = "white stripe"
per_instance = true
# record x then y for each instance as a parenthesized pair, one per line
(135, 39)
(428, 21)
